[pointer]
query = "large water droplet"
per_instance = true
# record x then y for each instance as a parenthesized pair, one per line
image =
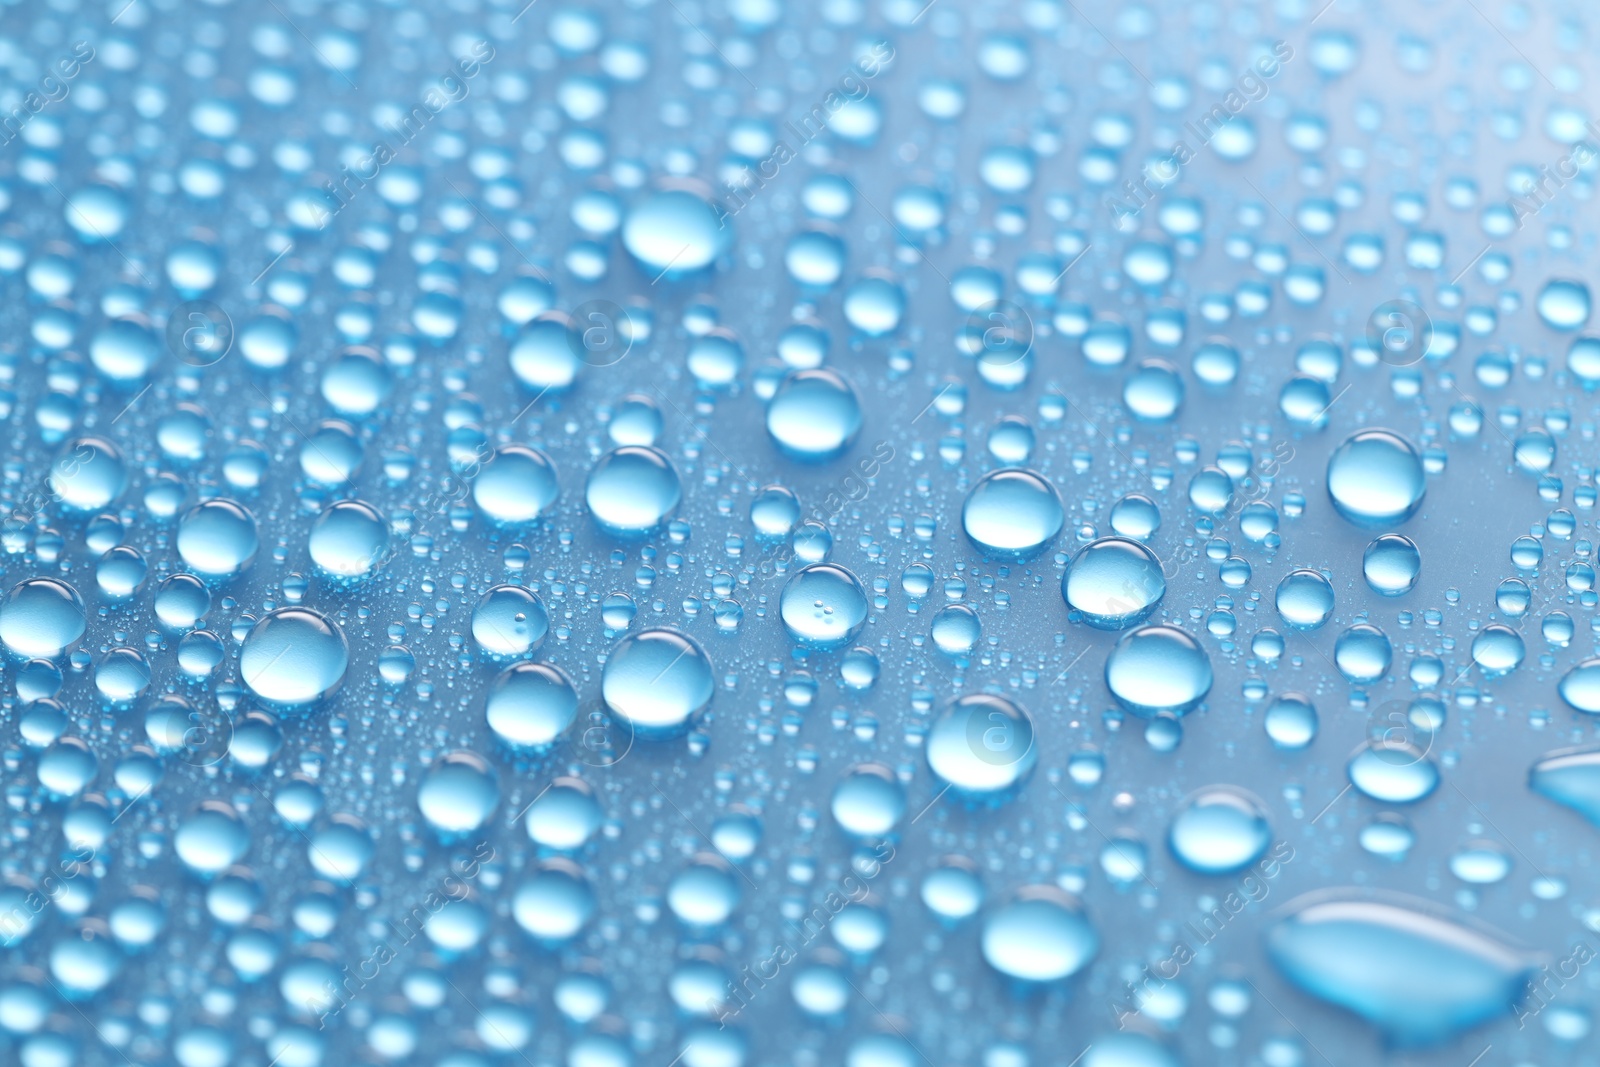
(1393, 771)
(509, 621)
(348, 539)
(1564, 304)
(815, 415)
(1012, 514)
(89, 475)
(868, 801)
(823, 605)
(1219, 829)
(982, 744)
(544, 356)
(554, 902)
(1291, 721)
(515, 486)
(1580, 686)
(41, 617)
(294, 656)
(1305, 599)
(218, 538)
(530, 705)
(1375, 478)
(565, 817)
(704, 893)
(1571, 777)
(459, 793)
(1414, 972)
(1363, 653)
(1113, 583)
(632, 490)
(675, 231)
(212, 839)
(657, 680)
(1041, 935)
(1391, 565)
(1158, 668)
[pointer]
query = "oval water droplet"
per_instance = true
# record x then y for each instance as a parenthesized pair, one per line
(1041, 935)
(1414, 972)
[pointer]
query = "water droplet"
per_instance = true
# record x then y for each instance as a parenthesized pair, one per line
(705, 893)
(1391, 565)
(1407, 968)
(1497, 649)
(1158, 668)
(41, 617)
(530, 705)
(1375, 478)
(565, 817)
(458, 793)
(554, 902)
(1393, 770)
(823, 605)
(955, 630)
(657, 680)
(509, 621)
(294, 656)
(632, 490)
(982, 745)
(348, 539)
(1012, 514)
(1363, 653)
(90, 474)
(1564, 304)
(1579, 687)
(675, 231)
(814, 416)
(218, 538)
(867, 801)
(1113, 583)
(1219, 829)
(212, 839)
(515, 485)
(1570, 777)
(1291, 721)
(1305, 599)
(1041, 935)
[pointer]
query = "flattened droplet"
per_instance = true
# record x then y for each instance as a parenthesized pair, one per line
(1570, 777)
(674, 231)
(1416, 973)
(1580, 686)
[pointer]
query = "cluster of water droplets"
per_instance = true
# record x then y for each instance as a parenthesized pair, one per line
(714, 552)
